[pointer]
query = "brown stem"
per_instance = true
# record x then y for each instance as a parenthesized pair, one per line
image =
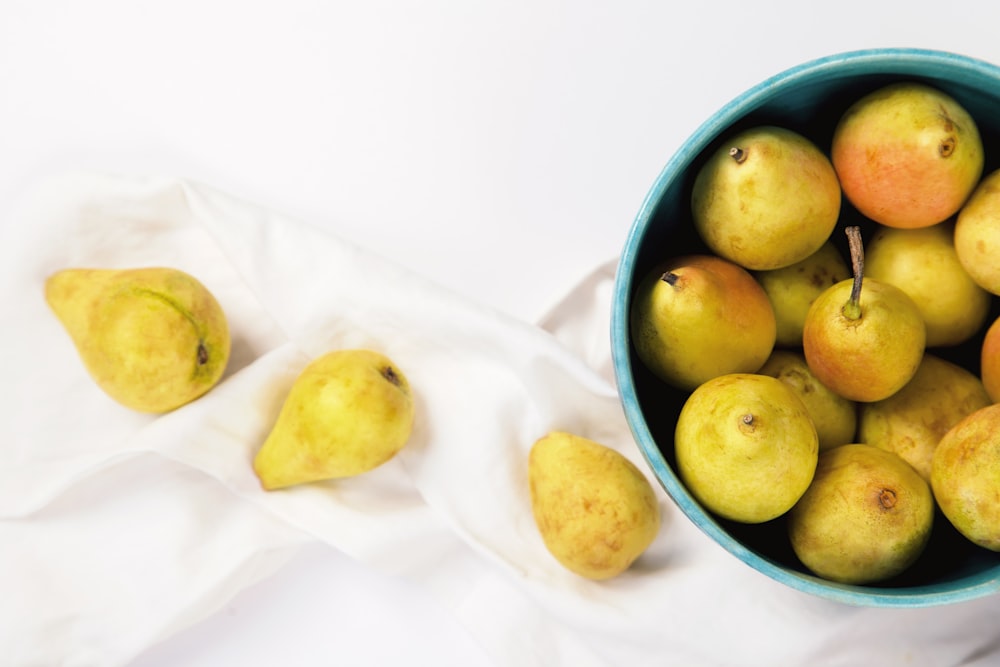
(738, 154)
(852, 309)
(669, 278)
(887, 499)
(390, 374)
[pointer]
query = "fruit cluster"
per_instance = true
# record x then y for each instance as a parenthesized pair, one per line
(155, 339)
(817, 384)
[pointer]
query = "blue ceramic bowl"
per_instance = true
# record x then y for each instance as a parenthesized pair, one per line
(808, 98)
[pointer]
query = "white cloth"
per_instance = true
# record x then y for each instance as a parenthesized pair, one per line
(120, 529)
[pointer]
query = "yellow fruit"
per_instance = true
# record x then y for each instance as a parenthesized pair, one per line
(349, 411)
(152, 338)
(594, 509)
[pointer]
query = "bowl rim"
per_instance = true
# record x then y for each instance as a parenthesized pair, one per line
(916, 61)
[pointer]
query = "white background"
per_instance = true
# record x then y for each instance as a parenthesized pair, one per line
(499, 148)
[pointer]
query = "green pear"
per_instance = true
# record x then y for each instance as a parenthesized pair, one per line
(695, 317)
(348, 411)
(863, 343)
(152, 338)
(965, 476)
(834, 416)
(866, 517)
(767, 197)
(923, 263)
(907, 155)
(792, 289)
(745, 446)
(977, 234)
(595, 511)
(912, 421)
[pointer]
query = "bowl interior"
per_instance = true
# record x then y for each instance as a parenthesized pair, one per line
(808, 99)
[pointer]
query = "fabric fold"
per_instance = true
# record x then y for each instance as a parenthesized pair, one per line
(121, 529)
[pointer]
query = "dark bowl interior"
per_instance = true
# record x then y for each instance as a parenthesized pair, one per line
(808, 99)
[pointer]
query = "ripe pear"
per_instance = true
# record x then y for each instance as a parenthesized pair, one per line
(866, 517)
(989, 361)
(348, 411)
(766, 198)
(746, 447)
(965, 476)
(866, 342)
(695, 317)
(907, 155)
(151, 338)
(596, 512)
(923, 263)
(834, 416)
(912, 421)
(977, 233)
(792, 289)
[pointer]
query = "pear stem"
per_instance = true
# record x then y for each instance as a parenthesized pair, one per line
(669, 278)
(390, 374)
(738, 154)
(852, 309)
(887, 499)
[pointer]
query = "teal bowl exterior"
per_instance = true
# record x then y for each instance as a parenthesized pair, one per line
(808, 98)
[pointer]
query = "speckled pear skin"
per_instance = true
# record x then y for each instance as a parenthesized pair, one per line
(152, 338)
(595, 510)
(348, 412)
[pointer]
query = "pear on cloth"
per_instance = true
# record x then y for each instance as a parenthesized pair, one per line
(596, 512)
(152, 338)
(348, 412)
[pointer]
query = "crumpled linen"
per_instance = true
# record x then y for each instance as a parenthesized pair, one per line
(119, 529)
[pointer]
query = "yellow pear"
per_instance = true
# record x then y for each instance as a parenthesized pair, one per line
(834, 416)
(866, 342)
(695, 317)
(767, 197)
(348, 412)
(152, 338)
(792, 289)
(977, 234)
(866, 517)
(912, 421)
(965, 476)
(923, 263)
(596, 512)
(745, 446)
